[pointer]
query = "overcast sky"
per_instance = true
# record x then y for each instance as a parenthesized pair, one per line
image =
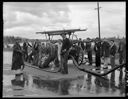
(26, 18)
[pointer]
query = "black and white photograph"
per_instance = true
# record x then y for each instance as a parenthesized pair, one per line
(64, 49)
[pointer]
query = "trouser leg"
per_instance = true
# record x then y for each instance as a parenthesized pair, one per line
(30, 59)
(106, 61)
(25, 56)
(39, 60)
(113, 61)
(125, 58)
(90, 57)
(120, 58)
(98, 61)
(36, 59)
(64, 65)
(56, 62)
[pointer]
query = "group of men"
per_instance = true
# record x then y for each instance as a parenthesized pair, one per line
(59, 53)
(104, 49)
(42, 54)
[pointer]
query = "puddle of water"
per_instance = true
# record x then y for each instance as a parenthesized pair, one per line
(82, 86)
(7, 79)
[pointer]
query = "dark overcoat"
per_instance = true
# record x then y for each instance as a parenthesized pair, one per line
(105, 49)
(97, 49)
(17, 59)
(113, 49)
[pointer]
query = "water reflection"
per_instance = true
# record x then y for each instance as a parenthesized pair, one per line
(63, 87)
(112, 83)
(87, 85)
(89, 76)
(106, 84)
(84, 85)
(58, 86)
(98, 85)
(121, 82)
(18, 84)
(19, 80)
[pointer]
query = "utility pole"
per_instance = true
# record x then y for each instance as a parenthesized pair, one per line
(98, 18)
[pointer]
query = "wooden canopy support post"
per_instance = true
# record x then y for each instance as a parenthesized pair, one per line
(48, 36)
(45, 35)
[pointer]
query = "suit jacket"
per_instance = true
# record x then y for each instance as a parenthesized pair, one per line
(81, 43)
(88, 46)
(122, 47)
(97, 48)
(105, 49)
(113, 50)
(66, 44)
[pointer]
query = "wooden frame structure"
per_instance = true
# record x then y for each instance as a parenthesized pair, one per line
(60, 32)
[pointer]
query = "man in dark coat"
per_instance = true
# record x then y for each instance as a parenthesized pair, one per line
(105, 52)
(97, 49)
(122, 52)
(17, 58)
(66, 45)
(113, 49)
(81, 43)
(25, 49)
(36, 52)
(89, 50)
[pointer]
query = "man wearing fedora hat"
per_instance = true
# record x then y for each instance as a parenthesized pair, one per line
(89, 50)
(17, 59)
(113, 50)
(105, 52)
(97, 49)
(81, 43)
(66, 44)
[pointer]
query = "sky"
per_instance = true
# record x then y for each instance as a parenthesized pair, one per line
(24, 19)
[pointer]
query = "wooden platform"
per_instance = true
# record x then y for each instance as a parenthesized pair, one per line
(73, 72)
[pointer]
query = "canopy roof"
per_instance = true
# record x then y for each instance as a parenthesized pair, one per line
(60, 32)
